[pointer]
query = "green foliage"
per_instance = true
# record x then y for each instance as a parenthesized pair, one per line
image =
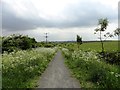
(112, 57)
(103, 22)
(15, 42)
(19, 69)
(47, 45)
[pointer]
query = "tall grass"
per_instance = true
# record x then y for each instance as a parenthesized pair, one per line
(19, 69)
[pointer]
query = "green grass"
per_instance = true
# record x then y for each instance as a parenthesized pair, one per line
(110, 46)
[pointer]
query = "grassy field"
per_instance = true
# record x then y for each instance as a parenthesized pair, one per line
(90, 68)
(110, 46)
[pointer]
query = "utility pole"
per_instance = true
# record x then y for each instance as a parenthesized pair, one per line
(46, 37)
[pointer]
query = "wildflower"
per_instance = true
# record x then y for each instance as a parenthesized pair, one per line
(112, 73)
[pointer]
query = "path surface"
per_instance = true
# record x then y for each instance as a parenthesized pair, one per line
(57, 75)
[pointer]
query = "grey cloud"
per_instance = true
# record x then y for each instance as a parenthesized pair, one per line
(83, 14)
(87, 13)
(11, 22)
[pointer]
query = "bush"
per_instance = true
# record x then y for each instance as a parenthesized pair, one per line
(48, 45)
(17, 41)
(111, 57)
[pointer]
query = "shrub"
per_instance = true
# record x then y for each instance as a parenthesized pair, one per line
(48, 45)
(111, 57)
(17, 41)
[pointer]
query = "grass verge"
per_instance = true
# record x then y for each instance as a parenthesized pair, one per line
(91, 71)
(20, 69)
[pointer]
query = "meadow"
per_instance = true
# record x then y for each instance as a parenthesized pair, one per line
(90, 68)
(110, 46)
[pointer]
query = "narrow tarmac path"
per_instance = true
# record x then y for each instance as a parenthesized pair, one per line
(57, 75)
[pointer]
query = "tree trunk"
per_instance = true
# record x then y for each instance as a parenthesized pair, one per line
(101, 43)
(102, 47)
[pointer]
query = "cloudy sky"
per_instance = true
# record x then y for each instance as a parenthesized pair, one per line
(61, 19)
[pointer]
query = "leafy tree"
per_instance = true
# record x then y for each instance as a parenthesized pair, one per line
(79, 39)
(14, 42)
(103, 23)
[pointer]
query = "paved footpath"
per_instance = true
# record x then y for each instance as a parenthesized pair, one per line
(57, 75)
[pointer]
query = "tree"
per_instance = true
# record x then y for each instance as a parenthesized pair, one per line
(103, 23)
(15, 42)
(79, 40)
